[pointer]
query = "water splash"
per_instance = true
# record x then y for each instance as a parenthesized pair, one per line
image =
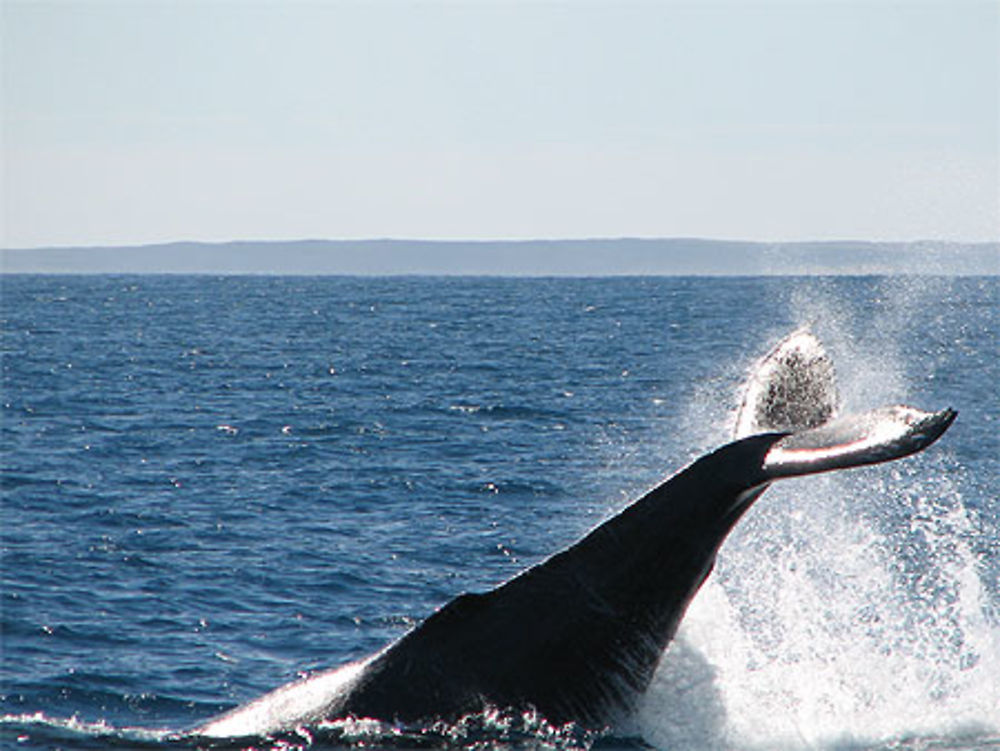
(826, 623)
(846, 610)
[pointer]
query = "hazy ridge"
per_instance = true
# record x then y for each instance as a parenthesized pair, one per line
(586, 257)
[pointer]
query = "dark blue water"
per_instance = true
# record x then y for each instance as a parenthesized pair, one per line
(213, 485)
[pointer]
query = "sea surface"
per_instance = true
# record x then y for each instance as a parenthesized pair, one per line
(213, 485)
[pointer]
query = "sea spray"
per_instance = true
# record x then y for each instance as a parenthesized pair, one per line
(847, 609)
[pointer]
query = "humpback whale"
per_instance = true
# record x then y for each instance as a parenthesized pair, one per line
(577, 637)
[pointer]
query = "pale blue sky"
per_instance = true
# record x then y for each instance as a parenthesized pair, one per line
(133, 122)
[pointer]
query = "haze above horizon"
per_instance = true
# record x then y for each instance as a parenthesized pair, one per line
(128, 124)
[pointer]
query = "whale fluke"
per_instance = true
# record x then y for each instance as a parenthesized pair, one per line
(793, 387)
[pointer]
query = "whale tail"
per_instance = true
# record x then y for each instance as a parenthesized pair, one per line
(576, 638)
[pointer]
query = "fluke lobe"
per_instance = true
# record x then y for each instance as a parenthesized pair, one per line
(577, 637)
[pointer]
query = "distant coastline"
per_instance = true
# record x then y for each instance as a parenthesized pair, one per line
(586, 257)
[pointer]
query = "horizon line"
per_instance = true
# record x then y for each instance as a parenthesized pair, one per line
(505, 240)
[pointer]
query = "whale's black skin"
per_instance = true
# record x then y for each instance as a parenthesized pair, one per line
(578, 637)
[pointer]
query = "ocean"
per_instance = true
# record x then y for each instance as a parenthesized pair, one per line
(214, 485)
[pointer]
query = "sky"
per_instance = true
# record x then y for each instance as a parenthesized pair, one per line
(143, 121)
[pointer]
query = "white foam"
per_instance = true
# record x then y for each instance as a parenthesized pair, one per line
(97, 728)
(818, 628)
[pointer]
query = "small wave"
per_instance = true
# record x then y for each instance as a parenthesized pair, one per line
(38, 730)
(501, 412)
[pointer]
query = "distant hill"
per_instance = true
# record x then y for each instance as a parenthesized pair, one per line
(595, 257)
